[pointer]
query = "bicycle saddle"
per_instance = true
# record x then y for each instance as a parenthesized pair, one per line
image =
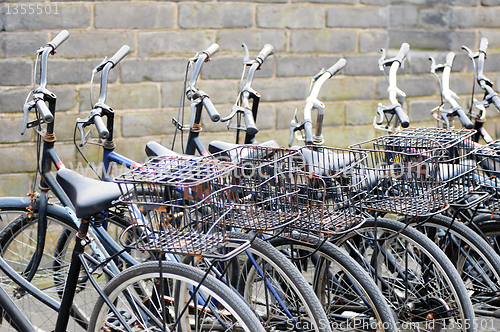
(89, 196)
(219, 146)
(154, 149)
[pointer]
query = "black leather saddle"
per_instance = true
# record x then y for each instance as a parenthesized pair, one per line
(88, 196)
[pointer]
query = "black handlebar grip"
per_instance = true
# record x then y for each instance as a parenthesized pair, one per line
(403, 51)
(483, 45)
(464, 119)
(496, 102)
(122, 52)
(214, 48)
(449, 59)
(250, 122)
(59, 39)
(337, 67)
(266, 51)
(102, 130)
(211, 110)
(44, 111)
(403, 117)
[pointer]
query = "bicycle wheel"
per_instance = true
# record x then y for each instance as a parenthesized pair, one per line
(349, 296)
(273, 287)
(147, 300)
(473, 257)
(417, 279)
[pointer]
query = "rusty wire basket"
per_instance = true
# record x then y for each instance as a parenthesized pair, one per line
(404, 175)
(488, 174)
(264, 188)
(179, 205)
(331, 193)
(458, 166)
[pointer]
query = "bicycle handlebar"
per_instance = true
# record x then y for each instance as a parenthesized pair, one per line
(44, 111)
(100, 126)
(449, 59)
(337, 67)
(403, 51)
(483, 45)
(59, 39)
(122, 52)
(464, 119)
(211, 110)
(403, 117)
(204, 56)
(264, 53)
(214, 48)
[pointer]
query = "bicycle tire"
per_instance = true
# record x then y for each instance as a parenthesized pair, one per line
(336, 277)
(236, 312)
(418, 280)
(304, 308)
(473, 257)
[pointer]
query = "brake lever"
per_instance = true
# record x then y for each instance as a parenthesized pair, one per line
(234, 110)
(381, 61)
(26, 111)
(294, 126)
(471, 54)
(81, 124)
(380, 111)
(100, 66)
(444, 116)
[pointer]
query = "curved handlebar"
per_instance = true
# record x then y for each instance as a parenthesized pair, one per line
(496, 101)
(403, 117)
(211, 110)
(483, 45)
(464, 119)
(122, 52)
(59, 39)
(44, 111)
(449, 59)
(403, 51)
(101, 127)
(251, 127)
(337, 67)
(266, 51)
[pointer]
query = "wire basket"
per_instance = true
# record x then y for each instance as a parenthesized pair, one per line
(331, 192)
(488, 174)
(178, 205)
(264, 186)
(404, 175)
(458, 166)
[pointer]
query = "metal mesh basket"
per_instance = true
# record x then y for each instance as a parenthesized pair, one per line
(331, 192)
(488, 174)
(457, 167)
(264, 188)
(178, 206)
(403, 175)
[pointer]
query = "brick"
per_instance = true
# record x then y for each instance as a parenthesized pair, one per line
(358, 113)
(131, 148)
(221, 92)
(133, 96)
(75, 71)
(266, 117)
(433, 39)
(11, 130)
(344, 136)
(67, 98)
(348, 88)
(213, 16)
(133, 16)
(403, 16)
(357, 17)
(307, 65)
(171, 94)
(323, 41)
(70, 16)
(290, 16)
(282, 90)
(419, 2)
(11, 47)
(493, 36)
(434, 18)
(231, 67)
(375, 2)
(420, 110)
(65, 126)
(258, 1)
(418, 61)
(464, 2)
(281, 136)
(167, 42)
(476, 17)
(15, 185)
(412, 86)
(231, 40)
(460, 38)
(362, 64)
(12, 100)
(490, 2)
(18, 159)
(462, 84)
(373, 40)
(492, 62)
(147, 123)
(95, 43)
(344, 2)
(15, 72)
(152, 70)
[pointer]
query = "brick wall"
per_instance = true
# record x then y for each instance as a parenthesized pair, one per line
(145, 88)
